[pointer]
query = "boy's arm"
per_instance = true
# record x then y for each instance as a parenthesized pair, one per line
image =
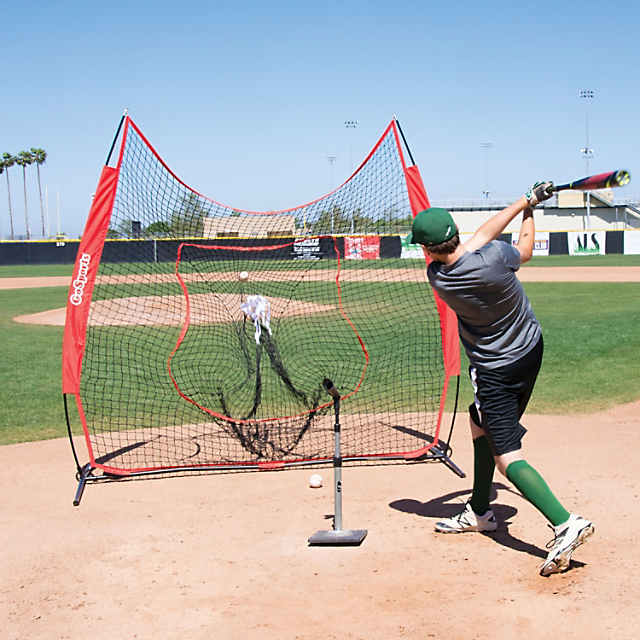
(527, 236)
(495, 225)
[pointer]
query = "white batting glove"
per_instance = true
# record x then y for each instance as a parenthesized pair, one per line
(538, 192)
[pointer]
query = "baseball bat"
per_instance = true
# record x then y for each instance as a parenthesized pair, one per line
(600, 181)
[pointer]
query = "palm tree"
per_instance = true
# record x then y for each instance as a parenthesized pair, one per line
(2, 168)
(8, 161)
(39, 156)
(24, 158)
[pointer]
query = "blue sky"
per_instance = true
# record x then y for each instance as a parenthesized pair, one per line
(245, 100)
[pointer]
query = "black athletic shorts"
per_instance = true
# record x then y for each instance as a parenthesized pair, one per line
(501, 396)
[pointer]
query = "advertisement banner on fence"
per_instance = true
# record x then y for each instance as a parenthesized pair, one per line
(540, 243)
(632, 242)
(586, 243)
(410, 250)
(362, 248)
(307, 249)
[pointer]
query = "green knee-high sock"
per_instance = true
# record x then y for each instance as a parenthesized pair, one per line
(483, 466)
(533, 487)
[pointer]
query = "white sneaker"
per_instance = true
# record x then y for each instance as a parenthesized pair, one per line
(568, 537)
(468, 520)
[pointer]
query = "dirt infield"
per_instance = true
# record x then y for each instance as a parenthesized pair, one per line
(169, 310)
(526, 274)
(226, 556)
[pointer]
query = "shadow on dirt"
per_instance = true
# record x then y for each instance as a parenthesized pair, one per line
(450, 504)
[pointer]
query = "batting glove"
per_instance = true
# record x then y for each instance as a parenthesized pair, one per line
(538, 192)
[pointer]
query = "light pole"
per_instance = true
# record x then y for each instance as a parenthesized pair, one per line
(351, 124)
(486, 146)
(332, 161)
(587, 152)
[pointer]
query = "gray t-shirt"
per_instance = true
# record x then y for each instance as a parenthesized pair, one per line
(496, 322)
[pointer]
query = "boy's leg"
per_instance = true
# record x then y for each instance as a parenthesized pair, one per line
(570, 530)
(476, 515)
(483, 468)
(532, 486)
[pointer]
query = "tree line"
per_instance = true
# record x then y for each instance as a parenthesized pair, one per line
(186, 220)
(24, 159)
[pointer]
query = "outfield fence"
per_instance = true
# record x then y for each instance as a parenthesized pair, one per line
(360, 247)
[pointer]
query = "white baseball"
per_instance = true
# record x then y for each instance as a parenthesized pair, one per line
(243, 275)
(315, 481)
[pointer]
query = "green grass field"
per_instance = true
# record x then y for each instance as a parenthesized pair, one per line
(591, 342)
(591, 346)
(612, 260)
(30, 369)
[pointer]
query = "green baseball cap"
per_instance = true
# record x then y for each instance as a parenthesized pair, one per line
(432, 226)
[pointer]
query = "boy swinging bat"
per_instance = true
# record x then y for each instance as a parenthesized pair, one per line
(503, 341)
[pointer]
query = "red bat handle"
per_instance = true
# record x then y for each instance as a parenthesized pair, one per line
(600, 181)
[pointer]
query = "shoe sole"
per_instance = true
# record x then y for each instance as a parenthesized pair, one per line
(562, 561)
(445, 529)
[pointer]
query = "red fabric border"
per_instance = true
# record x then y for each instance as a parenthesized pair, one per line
(84, 276)
(417, 193)
(448, 320)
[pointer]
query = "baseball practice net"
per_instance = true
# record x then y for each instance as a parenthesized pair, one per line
(198, 335)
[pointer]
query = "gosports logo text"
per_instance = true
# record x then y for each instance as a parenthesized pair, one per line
(80, 280)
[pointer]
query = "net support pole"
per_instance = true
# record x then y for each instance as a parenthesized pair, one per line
(83, 478)
(413, 162)
(337, 536)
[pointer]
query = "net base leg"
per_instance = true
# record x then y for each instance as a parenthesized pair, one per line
(446, 460)
(341, 537)
(439, 453)
(443, 456)
(83, 476)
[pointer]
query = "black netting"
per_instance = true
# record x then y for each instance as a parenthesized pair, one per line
(177, 372)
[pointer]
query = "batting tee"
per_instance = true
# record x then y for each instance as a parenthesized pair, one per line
(198, 335)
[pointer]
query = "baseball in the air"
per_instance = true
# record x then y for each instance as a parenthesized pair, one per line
(243, 275)
(315, 481)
